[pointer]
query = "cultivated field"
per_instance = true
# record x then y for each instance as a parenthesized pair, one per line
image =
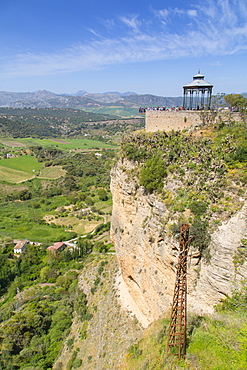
(118, 111)
(68, 144)
(26, 167)
(53, 172)
(19, 169)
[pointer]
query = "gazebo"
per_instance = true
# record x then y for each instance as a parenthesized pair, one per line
(197, 94)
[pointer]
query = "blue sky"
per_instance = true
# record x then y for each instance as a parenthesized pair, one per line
(122, 45)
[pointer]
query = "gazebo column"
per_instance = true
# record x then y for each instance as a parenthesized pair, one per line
(197, 102)
(191, 99)
(185, 101)
(203, 99)
(209, 97)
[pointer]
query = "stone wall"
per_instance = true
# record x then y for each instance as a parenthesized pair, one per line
(156, 120)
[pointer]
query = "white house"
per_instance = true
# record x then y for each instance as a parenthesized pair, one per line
(20, 246)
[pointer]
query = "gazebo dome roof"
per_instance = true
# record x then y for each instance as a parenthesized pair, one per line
(198, 76)
(198, 81)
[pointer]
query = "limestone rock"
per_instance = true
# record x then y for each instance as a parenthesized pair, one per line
(147, 253)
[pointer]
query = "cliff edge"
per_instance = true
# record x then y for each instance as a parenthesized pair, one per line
(147, 248)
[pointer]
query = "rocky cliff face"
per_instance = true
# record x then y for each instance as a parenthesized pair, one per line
(147, 252)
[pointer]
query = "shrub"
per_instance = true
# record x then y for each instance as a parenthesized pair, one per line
(24, 194)
(77, 363)
(175, 229)
(83, 333)
(70, 342)
(237, 302)
(198, 208)
(240, 154)
(134, 153)
(152, 174)
(135, 351)
(202, 238)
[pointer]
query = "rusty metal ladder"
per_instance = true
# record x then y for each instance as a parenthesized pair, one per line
(176, 344)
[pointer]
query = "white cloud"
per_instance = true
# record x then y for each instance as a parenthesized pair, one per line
(179, 11)
(132, 22)
(163, 13)
(192, 12)
(93, 32)
(218, 29)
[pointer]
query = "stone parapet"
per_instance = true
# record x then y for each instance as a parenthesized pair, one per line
(158, 120)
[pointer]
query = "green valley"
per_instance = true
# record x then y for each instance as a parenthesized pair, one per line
(60, 308)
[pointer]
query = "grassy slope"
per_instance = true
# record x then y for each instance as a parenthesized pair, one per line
(19, 169)
(219, 343)
(13, 176)
(53, 172)
(26, 167)
(25, 163)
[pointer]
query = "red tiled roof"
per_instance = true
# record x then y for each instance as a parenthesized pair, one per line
(56, 246)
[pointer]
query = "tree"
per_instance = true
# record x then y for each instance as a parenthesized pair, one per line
(70, 182)
(89, 201)
(84, 247)
(236, 100)
(24, 194)
(47, 273)
(102, 194)
(7, 273)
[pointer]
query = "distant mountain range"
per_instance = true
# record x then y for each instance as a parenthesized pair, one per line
(83, 99)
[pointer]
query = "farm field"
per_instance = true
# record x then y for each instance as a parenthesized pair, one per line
(19, 169)
(14, 176)
(63, 144)
(118, 111)
(26, 167)
(25, 163)
(54, 172)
